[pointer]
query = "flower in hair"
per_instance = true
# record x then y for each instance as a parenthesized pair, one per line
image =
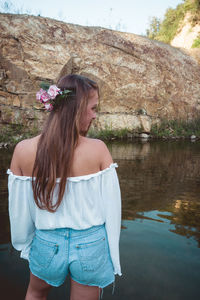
(48, 106)
(53, 91)
(48, 94)
(43, 96)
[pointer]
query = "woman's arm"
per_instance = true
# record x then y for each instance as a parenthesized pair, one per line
(16, 159)
(112, 206)
(20, 190)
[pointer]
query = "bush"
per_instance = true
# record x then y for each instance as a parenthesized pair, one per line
(170, 24)
(167, 29)
(196, 43)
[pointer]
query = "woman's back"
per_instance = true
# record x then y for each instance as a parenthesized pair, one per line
(90, 156)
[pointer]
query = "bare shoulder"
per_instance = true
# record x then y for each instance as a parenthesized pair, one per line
(25, 146)
(21, 145)
(95, 143)
(24, 153)
(102, 152)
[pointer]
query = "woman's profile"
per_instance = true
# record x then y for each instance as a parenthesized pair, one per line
(64, 197)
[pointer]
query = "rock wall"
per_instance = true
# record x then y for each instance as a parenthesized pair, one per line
(140, 80)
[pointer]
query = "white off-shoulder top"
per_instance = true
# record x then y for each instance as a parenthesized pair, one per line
(89, 200)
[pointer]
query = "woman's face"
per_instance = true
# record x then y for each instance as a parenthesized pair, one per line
(90, 113)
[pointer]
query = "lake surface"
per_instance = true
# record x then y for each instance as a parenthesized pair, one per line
(160, 238)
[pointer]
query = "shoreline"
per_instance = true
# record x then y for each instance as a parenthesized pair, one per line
(11, 134)
(147, 138)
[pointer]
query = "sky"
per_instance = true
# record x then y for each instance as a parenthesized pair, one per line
(124, 15)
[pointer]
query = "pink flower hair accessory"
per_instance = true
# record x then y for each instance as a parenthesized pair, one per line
(47, 95)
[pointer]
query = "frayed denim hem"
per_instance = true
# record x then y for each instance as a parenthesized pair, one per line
(100, 287)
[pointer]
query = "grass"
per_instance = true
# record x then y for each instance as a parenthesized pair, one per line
(109, 133)
(14, 133)
(166, 129)
(176, 128)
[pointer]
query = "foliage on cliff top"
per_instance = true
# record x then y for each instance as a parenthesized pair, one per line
(196, 43)
(166, 30)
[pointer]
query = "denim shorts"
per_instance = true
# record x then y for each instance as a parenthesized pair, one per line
(83, 254)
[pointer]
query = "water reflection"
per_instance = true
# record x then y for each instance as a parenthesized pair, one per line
(158, 264)
(161, 176)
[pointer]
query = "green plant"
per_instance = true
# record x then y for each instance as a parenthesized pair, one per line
(176, 128)
(154, 27)
(167, 29)
(196, 43)
(14, 133)
(170, 24)
(108, 133)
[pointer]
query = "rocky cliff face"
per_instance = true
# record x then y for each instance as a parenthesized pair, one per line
(140, 80)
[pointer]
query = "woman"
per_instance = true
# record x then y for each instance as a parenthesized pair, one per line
(64, 197)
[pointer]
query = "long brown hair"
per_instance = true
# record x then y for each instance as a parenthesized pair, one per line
(58, 141)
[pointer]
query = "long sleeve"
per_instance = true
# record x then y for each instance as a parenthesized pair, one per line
(112, 206)
(21, 223)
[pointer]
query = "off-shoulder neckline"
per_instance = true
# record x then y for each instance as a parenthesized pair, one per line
(75, 179)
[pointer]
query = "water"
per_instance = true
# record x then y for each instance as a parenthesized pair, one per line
(160, 238)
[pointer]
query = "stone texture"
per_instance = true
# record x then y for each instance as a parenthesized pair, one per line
(134, 73)
(144, 136)
(193, 52)
(145, 123)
